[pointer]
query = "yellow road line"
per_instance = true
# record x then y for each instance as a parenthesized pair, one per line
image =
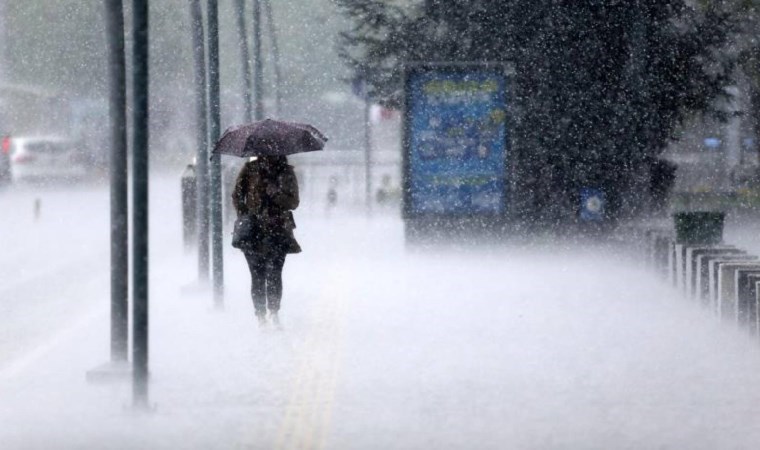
(328, 413)
(308, 416)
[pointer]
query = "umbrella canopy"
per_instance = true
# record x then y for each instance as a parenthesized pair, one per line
(270, 138)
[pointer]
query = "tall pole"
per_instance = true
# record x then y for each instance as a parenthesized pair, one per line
(640, 91)
(201, 112)
(367, 152)
(275, 56)
(216, 163)
(3, 41)
(119, 183)
(258, 64)
(140, 141)
(245, 59)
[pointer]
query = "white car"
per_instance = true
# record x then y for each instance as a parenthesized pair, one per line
(45, 157)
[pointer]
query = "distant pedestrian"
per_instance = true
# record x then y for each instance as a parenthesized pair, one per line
(332, 195)
(266, 190)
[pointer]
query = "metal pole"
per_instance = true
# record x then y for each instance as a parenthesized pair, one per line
(258, 64)
(3, 41)
(216, 163)
(367, 152)
(640, 85)
(140, 141)
(119, 183)
(201, 169)
(275, 56)
(245, 59)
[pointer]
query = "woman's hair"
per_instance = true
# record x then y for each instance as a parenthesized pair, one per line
(275, 161)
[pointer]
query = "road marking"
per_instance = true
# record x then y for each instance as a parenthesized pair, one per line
(19, 365)
(41, 275)
(308, 416)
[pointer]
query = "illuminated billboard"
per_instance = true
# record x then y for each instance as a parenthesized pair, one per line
(456, 140)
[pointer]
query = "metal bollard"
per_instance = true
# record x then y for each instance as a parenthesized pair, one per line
(189, 207)
(728, 277)
(746, 286)
(696, 270)
(662, 245)
(709, 278)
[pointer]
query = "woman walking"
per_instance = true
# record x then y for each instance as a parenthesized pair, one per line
(266, 191)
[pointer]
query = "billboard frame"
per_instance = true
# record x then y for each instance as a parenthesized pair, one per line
(415, 219)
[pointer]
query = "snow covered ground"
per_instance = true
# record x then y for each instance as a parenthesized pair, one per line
(526, 347)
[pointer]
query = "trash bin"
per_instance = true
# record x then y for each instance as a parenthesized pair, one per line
(699, 227)
(189, 207)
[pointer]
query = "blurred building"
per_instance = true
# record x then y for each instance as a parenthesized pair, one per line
(342, 166)
(717, 157)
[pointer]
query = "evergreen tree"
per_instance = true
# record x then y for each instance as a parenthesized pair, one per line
(600, 86)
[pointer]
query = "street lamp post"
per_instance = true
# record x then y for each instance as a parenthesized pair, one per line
(258, 64)
(272, 29)
(361, 89)
(216, 164)
(245, 59)
(140, 200)
(119, 183)
(639, 86)
(201, 111)
(368, 153)
(118, 367)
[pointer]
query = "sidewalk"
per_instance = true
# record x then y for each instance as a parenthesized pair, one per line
(217, 380)
(382, 349)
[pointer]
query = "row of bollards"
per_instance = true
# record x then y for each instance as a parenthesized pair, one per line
(692, 257)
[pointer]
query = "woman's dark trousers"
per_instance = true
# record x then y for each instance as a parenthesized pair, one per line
(266, 280)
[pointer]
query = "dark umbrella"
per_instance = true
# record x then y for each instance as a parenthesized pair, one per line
(270, 138)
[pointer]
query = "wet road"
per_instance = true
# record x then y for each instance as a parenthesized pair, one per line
(525, 347)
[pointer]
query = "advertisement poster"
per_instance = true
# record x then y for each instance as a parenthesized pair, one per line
(456, 141)
(592, 205)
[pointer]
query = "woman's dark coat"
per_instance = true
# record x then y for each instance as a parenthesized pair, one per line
(269, 194)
